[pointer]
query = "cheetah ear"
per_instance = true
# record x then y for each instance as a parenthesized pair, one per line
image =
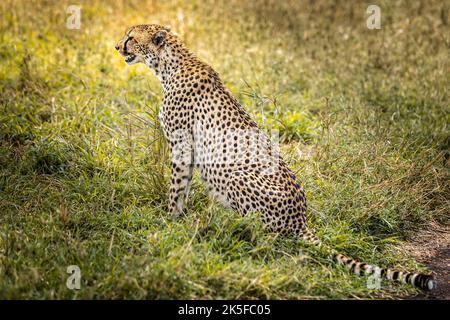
(160, 36)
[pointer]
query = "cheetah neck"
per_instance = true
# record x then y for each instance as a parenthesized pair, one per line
(170, 61)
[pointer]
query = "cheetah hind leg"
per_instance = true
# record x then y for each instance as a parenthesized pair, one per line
(253, 192)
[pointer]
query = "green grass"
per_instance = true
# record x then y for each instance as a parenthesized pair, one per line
(363, 116)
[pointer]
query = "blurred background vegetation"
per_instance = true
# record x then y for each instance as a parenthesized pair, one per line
(364, 120)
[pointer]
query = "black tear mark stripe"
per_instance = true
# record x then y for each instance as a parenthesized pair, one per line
(125, 51)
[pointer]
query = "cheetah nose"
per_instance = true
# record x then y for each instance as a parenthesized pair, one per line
(117, 47)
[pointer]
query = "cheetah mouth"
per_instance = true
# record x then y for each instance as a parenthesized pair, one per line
(129, 59)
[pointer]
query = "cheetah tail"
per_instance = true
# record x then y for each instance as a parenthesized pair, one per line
(419, 280)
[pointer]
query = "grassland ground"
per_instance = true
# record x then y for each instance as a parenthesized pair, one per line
(363, 117)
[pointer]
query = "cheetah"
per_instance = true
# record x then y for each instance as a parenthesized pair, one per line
(208, 130)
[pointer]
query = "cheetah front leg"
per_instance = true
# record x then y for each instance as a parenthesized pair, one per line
(181, 170)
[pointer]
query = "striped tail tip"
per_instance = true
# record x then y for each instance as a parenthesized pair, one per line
(425, 282)
(420, 280)
(432, 285)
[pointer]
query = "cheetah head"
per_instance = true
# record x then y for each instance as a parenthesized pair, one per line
(142, 44)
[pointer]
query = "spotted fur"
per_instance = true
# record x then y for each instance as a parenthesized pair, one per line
(198, 114)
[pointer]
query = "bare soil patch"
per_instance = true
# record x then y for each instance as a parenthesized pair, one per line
(432, 247)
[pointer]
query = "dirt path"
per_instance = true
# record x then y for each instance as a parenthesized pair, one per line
(432, 248)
